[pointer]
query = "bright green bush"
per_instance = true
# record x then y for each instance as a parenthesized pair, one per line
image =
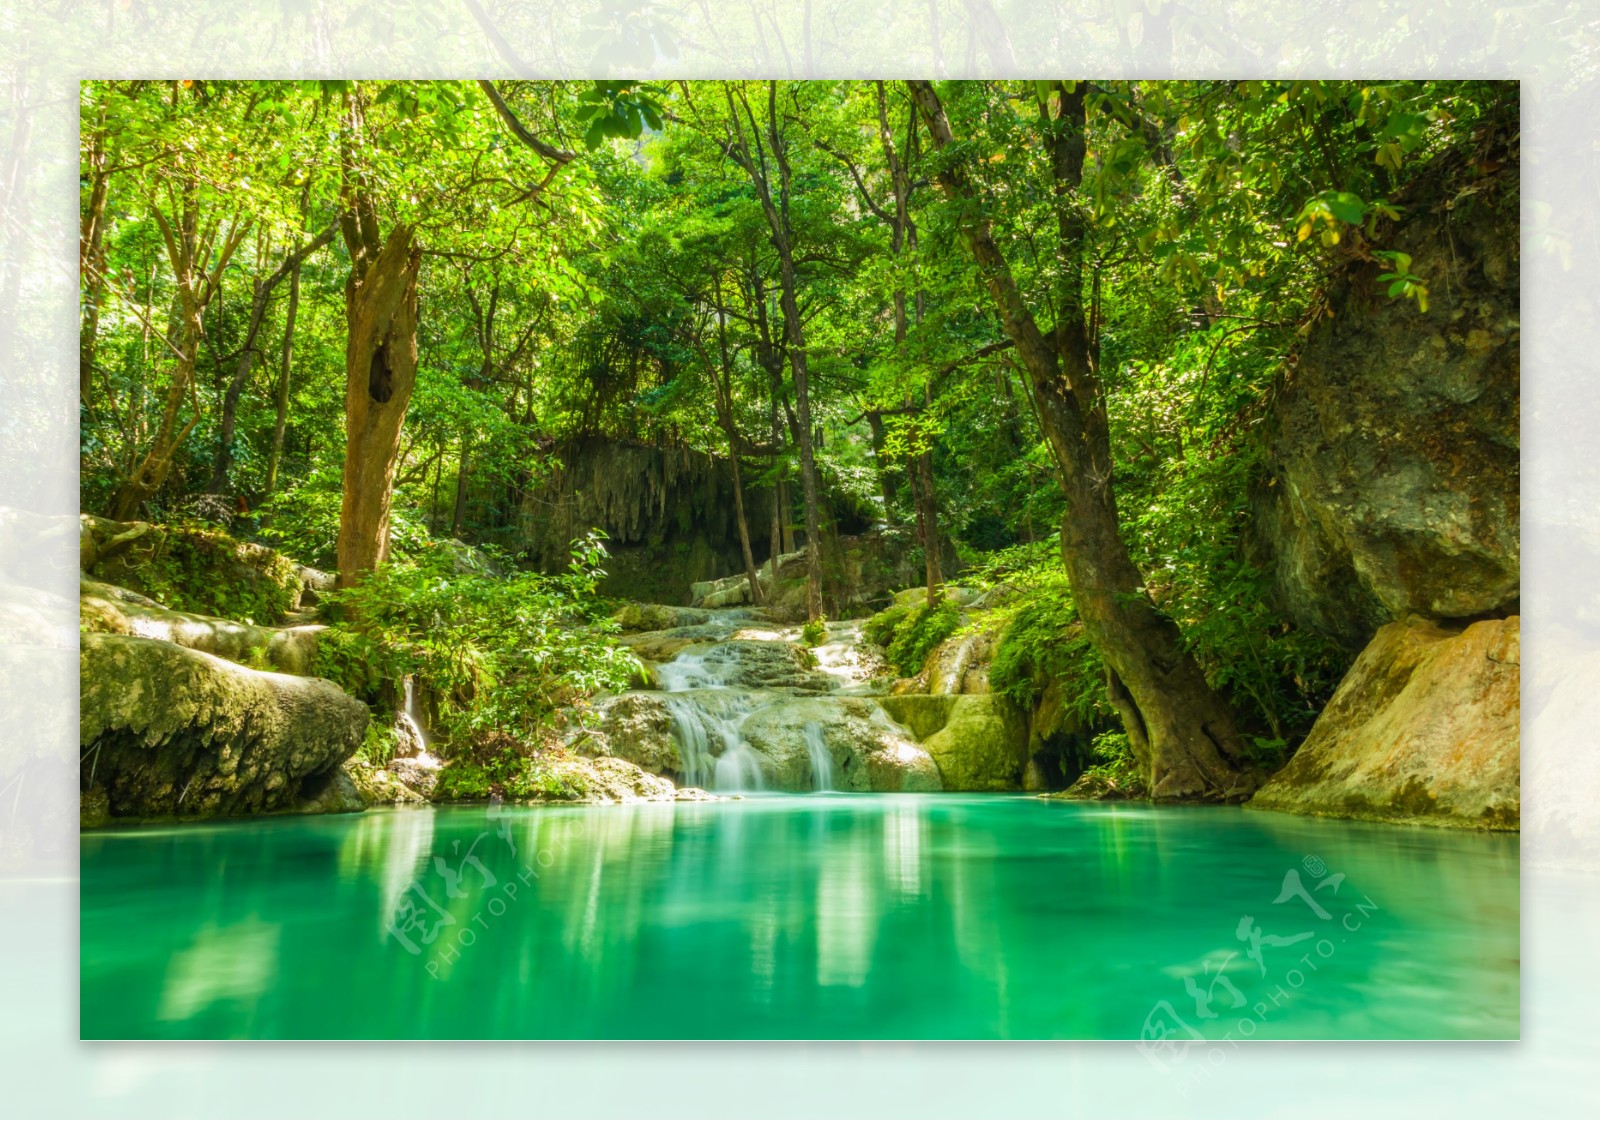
(814, 632)
(501, 654)
(920, 632)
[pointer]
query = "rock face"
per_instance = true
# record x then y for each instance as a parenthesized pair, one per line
(1423, 729)
(172, 732)
(1393, 443)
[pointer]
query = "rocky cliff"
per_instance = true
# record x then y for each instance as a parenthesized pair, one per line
(668, 514)
(1390, 519)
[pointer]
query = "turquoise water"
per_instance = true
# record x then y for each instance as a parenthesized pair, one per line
(821, 916)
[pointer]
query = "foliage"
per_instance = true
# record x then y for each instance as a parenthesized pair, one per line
(502, 654)
(1116, 771)
(814, 631)
(925, 629)
(499, 766)
(1043, 643)
(203, 569)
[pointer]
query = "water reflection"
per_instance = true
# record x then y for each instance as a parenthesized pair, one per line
(810, 916)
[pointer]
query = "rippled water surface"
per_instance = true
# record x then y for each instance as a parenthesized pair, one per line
(820, 916)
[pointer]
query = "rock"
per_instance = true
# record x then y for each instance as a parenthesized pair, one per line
(1393, 444)
(339, 794)
(611, 781)
(193, 567)
(729, 591)
(659, 617)
(418, 772)
(867, 751)
(982, 746)
(922, 714)
(978, 742)
(169, 731)
(746, 664)
(637, 727)
(108, 609)
(1423, 730)
(380, 786)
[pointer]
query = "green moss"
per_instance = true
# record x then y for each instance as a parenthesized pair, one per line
(201, 569)
(881, 627)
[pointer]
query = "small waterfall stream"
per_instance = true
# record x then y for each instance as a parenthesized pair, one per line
(737, 666)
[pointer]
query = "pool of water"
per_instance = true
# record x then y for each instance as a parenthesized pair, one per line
(808, 916)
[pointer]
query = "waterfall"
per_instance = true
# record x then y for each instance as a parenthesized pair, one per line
(821, 758)
(735, 767)
(409, 736)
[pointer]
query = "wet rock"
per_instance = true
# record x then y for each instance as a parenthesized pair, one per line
(169, 731)
(978, 742)
(865, 751)
(380, 786)
(1423, 730)
(417, 772)
(637, 727)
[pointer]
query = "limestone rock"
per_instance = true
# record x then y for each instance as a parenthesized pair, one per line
(978, 742)
(169, 731)
(867, 751)
(108, 609)
(637, 727)
(659, 617)
(1393, 443)
(611, 781)
(1423, 729)
(380, 786)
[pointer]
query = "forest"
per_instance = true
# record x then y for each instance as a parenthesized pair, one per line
(702, 559)
(474, 366)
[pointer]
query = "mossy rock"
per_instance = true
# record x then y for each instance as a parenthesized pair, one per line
(978, 742)
(1424, 730)
(192, 568)
(108, 609)
(165, 731)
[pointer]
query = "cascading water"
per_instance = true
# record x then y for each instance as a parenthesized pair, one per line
(409, 736)
(749, 710)
(821, 758)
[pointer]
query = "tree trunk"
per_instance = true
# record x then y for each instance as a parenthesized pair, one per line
(241, 373)
(886, 483)
(460, 511)
(928, 517)
(1180, 729)
(380, 373)
(281, 421)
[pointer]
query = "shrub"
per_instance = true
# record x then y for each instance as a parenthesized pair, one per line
(814, 631)
(919, 633)
(502, 654)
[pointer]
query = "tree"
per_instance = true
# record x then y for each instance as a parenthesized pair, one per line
(1180, 728)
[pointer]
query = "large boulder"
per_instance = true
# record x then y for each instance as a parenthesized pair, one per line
(167, 731)
(1393, 442)
(1423, 730)
(977, 740)
(636, 727)
(108, 609)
